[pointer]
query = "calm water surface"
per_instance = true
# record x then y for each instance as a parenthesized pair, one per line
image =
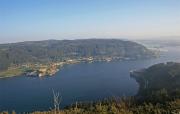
(80, 82)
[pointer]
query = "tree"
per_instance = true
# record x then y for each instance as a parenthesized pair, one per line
(57, 100)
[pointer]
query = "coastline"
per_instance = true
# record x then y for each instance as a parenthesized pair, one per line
(41, 70)
(10, 76)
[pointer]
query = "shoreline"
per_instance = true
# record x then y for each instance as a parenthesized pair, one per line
(56, 66)
(10, 76)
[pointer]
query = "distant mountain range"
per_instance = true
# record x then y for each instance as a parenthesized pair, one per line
(58, 50)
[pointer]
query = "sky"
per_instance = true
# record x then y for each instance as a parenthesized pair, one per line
(28, 20)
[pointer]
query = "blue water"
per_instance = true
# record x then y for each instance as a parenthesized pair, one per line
(78, 82)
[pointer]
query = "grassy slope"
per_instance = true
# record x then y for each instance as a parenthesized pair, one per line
(11, 72)
(127, 106)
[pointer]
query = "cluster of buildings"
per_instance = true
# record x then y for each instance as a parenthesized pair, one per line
(50, 69)
(43, 70)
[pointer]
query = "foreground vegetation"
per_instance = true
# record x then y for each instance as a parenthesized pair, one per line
(121, 107)
(118, 106)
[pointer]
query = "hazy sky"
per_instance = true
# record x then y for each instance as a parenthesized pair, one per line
(22, 20)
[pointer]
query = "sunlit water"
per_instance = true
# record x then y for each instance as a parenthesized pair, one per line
(79, 82)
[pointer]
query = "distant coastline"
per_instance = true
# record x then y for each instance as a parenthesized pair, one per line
(45, 58)
(41, 70)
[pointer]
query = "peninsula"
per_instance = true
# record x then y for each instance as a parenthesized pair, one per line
(47, 57)
(160, 81)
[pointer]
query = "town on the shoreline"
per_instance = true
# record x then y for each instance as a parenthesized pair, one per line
(51, 68)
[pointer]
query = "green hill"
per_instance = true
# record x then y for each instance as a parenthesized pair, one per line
(55, 50)
(160, 81)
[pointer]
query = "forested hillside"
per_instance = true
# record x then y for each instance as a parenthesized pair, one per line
(159, 82)
(55, 50)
